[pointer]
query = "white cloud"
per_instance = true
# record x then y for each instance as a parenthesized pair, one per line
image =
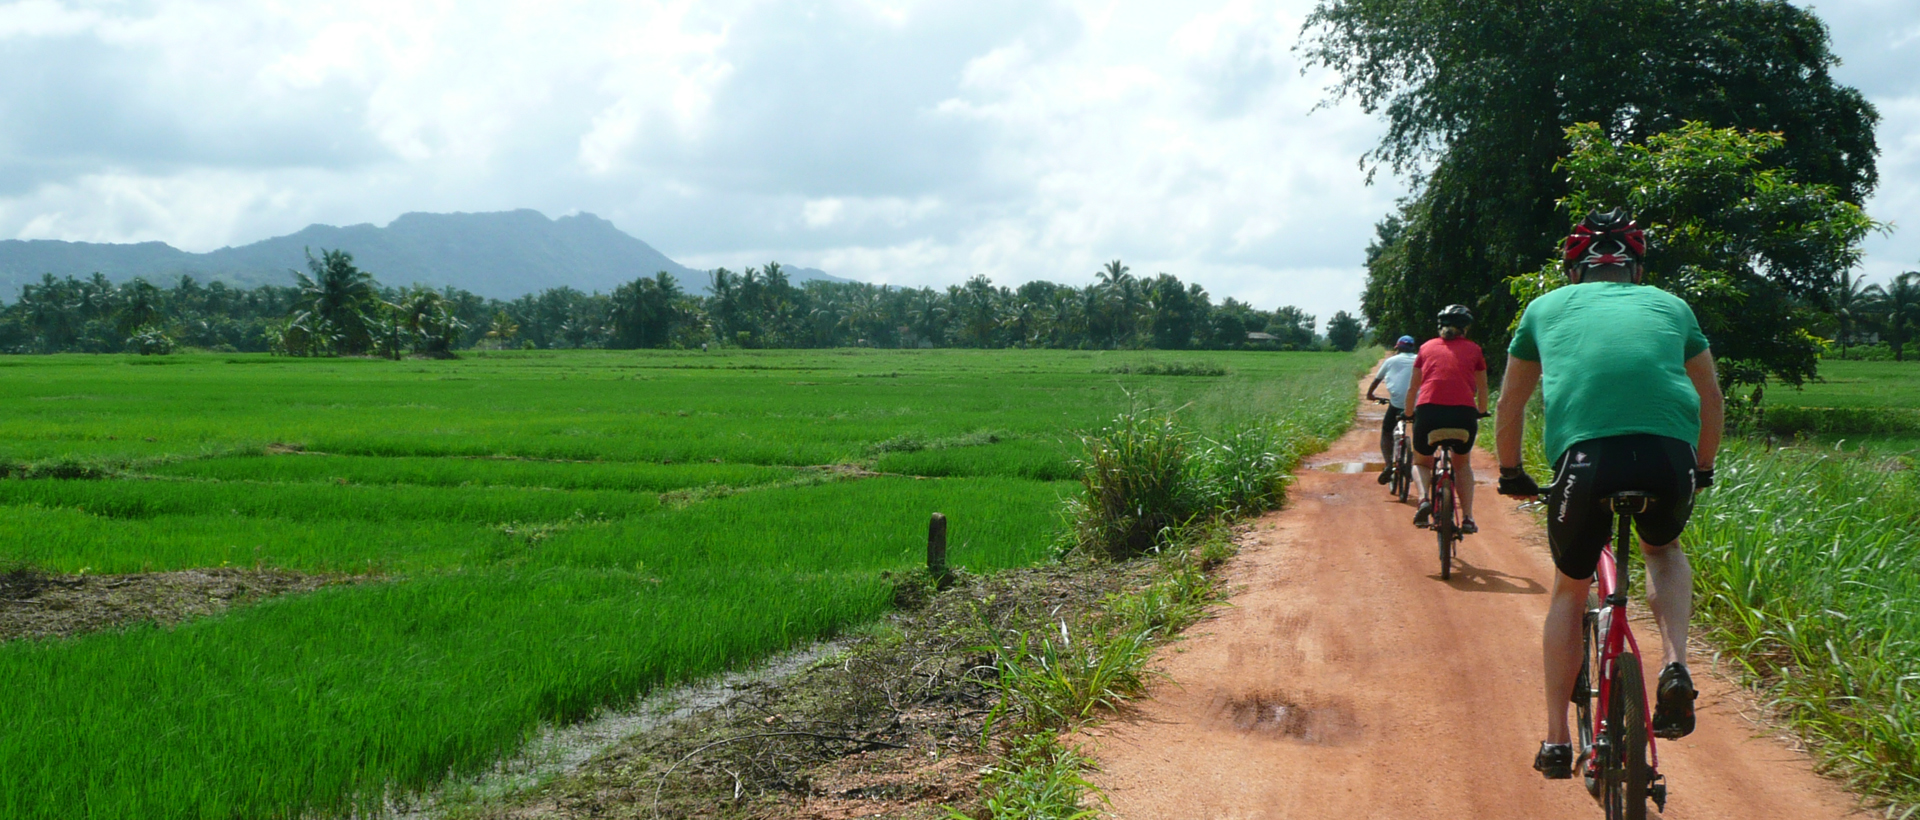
(904, 141)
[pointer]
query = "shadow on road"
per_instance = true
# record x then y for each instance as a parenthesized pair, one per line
(1469, 578)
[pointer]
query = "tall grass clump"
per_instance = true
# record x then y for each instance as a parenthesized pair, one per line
(1807, 567)
(1138, 485)
(1151, 471)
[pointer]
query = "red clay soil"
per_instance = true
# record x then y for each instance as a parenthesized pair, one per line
(1348, 681)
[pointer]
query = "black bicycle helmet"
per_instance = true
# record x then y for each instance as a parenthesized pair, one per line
(1456, 316)
(1610, 238)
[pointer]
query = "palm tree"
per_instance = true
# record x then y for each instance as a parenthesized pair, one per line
(332, 310)
(428, 319)
(1902, 302)
(1850, 301)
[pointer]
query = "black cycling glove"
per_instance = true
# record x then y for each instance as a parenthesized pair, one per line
(1702, 479)
(1515, 481)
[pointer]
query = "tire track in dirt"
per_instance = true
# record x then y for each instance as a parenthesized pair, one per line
(1348, 681)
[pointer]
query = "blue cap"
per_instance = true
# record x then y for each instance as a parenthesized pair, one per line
(1406, 340)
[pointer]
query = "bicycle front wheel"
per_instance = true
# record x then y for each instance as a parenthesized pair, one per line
(1627, 727)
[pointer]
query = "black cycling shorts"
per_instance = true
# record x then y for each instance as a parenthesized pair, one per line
(1429, 417)
(1577, 517)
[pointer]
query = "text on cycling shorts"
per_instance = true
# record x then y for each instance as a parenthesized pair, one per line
(1578, 524)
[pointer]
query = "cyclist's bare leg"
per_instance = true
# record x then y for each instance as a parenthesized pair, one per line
(1670, 596)
(1463, 479)
(1561, 648)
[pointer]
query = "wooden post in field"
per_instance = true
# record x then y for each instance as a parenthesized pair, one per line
(937, 551)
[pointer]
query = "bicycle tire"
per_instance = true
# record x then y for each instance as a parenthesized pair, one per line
(1584, 694)
(1443, 524)
(1402, 469)
(1627, 726)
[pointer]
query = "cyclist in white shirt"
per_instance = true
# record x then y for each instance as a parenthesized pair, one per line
(1397, 373)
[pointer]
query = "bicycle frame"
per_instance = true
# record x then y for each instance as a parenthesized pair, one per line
(1443, 499)
(1608, 625)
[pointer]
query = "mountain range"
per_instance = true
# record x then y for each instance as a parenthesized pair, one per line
(502, 255)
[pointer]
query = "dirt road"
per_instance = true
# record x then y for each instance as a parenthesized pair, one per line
(1348, 681)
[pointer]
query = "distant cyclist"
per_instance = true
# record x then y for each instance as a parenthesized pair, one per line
(1449, 391)
(1397, 373)
(1632, 403)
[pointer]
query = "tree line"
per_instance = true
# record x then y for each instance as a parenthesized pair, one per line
(1718, 121)
(335, 308)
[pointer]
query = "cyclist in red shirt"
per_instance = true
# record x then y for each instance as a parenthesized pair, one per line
(1449, 390)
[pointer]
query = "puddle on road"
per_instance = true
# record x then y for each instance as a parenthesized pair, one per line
(1351, 466)
(1277, 714)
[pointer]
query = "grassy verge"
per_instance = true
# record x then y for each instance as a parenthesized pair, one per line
(1807, 569)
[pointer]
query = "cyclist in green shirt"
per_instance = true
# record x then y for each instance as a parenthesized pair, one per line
(1632, 403)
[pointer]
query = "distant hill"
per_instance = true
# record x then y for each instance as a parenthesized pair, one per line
(502, 255)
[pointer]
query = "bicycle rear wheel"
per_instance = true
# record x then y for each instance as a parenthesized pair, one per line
(1402, 469)
(1627, 727)
(1444, 526)
(1584, 694)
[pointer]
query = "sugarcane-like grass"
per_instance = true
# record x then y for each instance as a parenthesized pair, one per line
(1807, 567)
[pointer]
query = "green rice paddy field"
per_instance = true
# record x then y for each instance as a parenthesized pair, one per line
(1874, 404)
(543, 535)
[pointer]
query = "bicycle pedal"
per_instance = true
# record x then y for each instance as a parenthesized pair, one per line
(1658, 791)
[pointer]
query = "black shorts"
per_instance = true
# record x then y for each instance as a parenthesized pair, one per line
(1430, 417)
(1577, 521)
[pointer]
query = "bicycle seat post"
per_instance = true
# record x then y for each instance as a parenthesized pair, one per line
(1623, 506)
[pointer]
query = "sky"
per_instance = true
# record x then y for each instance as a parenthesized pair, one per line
(890, 141)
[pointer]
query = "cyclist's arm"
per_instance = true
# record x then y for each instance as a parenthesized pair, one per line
(1413, 390)
(1370, 387)
(1480, 389)
(1510, 425)
(1713, 406)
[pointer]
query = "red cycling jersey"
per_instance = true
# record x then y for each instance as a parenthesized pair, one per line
(1446, 371)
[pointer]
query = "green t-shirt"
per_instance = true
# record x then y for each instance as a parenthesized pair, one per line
(1613, 362)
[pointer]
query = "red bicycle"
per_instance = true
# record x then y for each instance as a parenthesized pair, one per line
(1617, 755)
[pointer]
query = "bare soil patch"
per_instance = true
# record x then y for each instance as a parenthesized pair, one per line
(35, 604)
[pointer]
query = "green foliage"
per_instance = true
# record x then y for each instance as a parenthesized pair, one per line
(1150, 473)
(1477, 96)
(645, 312)
(1166, 369)
(1744, 243)
(1137, 485)
(1057, 680)
(1791, 420)
(1899, 311)
(336, 310)
(1343, 331)
(1036, 779)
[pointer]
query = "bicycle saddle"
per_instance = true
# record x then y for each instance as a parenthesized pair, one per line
(1446, 434)
(1631, 501)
